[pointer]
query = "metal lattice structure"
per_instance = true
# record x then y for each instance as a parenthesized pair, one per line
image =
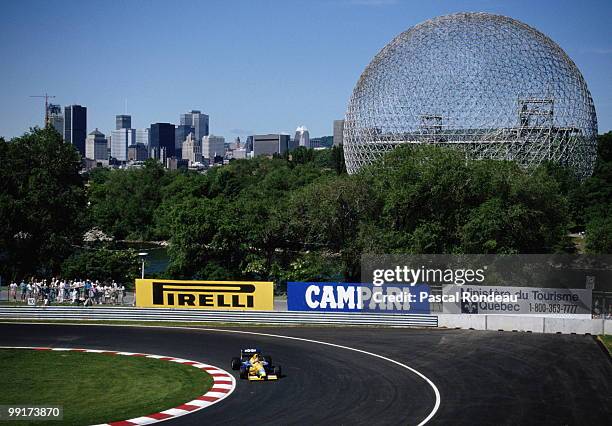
(487, 84)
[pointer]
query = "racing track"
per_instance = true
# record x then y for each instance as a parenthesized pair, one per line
(483, 377)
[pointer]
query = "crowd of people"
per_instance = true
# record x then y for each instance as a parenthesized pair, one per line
(77, 292)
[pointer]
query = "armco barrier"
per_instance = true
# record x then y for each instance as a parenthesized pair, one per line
(608, 327)
(190, 315)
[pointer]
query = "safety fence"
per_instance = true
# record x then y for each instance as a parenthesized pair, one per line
(231, 317)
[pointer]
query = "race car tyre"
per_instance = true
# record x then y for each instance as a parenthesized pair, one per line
(236, 363)
(278, 371)
(244, 373)
(268, 359)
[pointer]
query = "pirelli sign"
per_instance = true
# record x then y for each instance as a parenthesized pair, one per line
(217, 295)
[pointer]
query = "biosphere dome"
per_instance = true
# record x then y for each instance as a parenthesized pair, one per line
(487, 84)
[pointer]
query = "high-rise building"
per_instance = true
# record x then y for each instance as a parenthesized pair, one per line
(180, 134)
(162, 141)
(192, 149)
(338, 130)
(123, 122)
(236, 144)
(75, 126)
(95, 146)
(56, 118)
(137, 152)
(302, 137)
(198, 121)
(213, 146)
(121, 139)
(270, 144)
(142, 137)
(248, 145)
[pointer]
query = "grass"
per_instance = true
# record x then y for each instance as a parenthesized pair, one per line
(97, 388)
(607, 341)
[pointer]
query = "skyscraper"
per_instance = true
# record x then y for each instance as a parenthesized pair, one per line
(137, 152)
(75, 126)
(198, 121)
(180, 134)
(270, 144)
(95, 146)
(302, 137)
(192, 150)
(213, 146)
(338, 130)
(121, 139)
(249, 143)
(162, 141)
(142, 137)
(56, 118)
(123, 122)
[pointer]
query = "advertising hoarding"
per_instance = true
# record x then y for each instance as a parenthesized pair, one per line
(214, 295)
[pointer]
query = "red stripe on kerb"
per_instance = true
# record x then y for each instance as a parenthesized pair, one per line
(207, 398)
(214, 389)
(159, 416)
(187, 407)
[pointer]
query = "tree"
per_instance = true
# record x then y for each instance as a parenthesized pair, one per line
(123, 202)
(102, 264)
(42, 203)
(329, 217)
(437, 202)
(594, 199)
(599, 235)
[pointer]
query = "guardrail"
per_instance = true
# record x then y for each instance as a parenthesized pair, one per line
(238, 317)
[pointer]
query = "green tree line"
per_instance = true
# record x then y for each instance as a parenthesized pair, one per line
(292, 217)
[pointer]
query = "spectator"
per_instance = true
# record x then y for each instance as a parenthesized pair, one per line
(13, 291)
(22, 288)
(80, 291)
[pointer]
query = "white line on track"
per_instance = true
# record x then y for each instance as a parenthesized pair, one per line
(318, 342)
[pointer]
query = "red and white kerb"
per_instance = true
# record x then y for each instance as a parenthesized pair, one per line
(223, 385)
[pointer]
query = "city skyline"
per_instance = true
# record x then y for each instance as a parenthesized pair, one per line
(250, 79)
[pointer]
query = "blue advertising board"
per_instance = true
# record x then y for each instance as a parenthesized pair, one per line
(357, 297)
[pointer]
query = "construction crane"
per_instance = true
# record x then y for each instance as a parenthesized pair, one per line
(47, 97)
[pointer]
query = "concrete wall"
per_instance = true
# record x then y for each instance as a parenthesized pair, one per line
(515, 323)
(476, 322)
(526, 323)
(578, 326)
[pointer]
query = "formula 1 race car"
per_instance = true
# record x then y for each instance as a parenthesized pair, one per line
(254, 366)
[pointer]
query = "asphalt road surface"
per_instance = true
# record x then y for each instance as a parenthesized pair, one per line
(484, 377)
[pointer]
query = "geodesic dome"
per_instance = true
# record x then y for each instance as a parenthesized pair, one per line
(487, 84)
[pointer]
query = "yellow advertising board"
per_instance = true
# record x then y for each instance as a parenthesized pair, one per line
(217, 295)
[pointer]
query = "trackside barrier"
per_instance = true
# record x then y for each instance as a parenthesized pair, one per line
(190, 315)
(476, 322)
(570, 325)
(526, 323)
(515, 323)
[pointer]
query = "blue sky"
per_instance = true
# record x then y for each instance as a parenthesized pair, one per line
(253, 66)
